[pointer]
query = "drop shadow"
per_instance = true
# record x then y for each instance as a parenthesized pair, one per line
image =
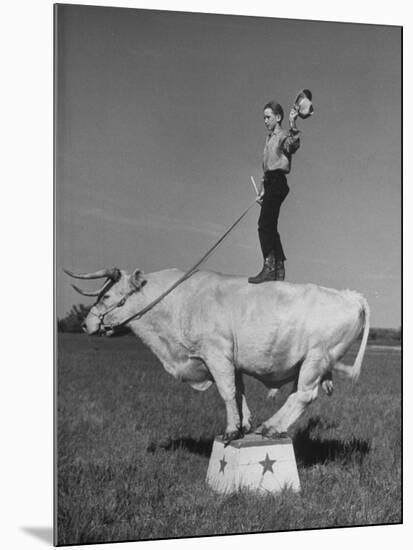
(201, 446)
(316, 450)
(45, 534)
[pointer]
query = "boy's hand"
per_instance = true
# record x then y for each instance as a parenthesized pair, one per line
(259, 198)
(293, 116)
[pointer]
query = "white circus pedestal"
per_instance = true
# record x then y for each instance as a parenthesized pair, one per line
(255, 463)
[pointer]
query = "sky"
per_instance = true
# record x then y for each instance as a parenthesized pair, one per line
(159, 128)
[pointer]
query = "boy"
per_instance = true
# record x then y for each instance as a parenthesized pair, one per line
(280, 145)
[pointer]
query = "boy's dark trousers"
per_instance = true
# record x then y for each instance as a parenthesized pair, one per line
(275, 191)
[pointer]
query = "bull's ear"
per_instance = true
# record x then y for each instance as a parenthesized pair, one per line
(137, 279)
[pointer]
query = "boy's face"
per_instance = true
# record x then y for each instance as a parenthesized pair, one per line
(270, 119)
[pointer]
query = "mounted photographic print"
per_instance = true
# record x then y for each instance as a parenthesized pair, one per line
(227, 274)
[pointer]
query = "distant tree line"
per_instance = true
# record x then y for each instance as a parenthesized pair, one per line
(73, 320)
(385, 335)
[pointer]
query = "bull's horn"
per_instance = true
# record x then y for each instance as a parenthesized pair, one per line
(108, 283)
(84, 292)
(113, 274)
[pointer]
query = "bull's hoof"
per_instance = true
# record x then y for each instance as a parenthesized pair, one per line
(260, 429)
(247, 427)
(270, 433)
(278, 435)
(230, 436)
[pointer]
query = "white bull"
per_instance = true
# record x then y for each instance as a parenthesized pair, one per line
(215, 328)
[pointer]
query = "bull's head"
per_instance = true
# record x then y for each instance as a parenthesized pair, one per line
(113, 299)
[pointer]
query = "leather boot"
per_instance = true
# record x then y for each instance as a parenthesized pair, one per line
(267, 272)
(279, 270)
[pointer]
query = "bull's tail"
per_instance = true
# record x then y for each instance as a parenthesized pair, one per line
(353, 372)
(362, 349)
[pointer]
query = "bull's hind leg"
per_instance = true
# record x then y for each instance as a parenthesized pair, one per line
(312, 370)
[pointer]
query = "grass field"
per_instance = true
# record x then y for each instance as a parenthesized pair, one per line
(134, 444)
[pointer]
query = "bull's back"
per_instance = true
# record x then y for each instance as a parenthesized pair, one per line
(270, 314)
(275, 322)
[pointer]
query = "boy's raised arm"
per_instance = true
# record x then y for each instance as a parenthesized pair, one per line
(292, 142)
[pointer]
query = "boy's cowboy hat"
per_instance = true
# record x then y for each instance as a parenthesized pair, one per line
(303, 104)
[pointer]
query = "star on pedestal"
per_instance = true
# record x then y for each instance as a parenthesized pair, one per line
(223, 463)
(267, 464)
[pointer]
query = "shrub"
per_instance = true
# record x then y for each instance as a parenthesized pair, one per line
(73, 320)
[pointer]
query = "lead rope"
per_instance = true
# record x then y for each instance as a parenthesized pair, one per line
(187, 274)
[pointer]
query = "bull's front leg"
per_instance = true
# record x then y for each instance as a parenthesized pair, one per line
(223, 373)
(246, 417)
